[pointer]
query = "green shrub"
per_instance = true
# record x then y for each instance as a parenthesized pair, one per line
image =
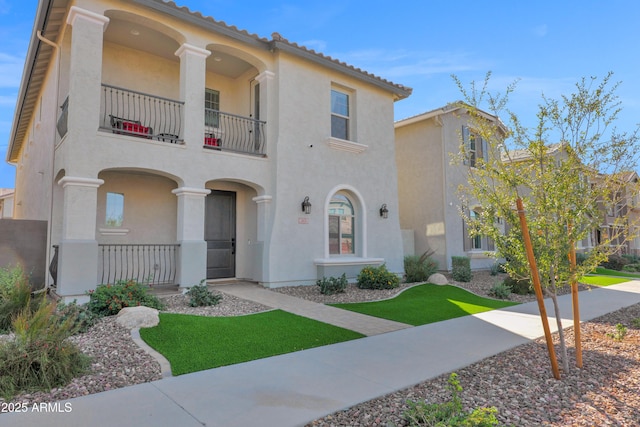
(500, 290)
(580, 258)
(332, 285)
(419, 268)
(15, 296)
(108, 300)
(633, 259)
(82, 317)
(635, 323)
(615, 262)
(40, 357)
(633, 268)
(620, 333)
(461, 268)
(519, 286)
(449, 413)
(495, 269)
(201, 296)
(377, 278)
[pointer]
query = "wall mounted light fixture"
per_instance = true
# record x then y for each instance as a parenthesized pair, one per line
(384, 212)
(306, 205)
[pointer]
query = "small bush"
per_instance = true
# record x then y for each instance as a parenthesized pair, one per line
(632, 268)
(108, 300)
(461, 268)
(377, 278)
(419, 268)
(519, 286)
(501, 291)
(40, 357)
(633, 259)
(620, 333)
(615, 262)
(82, 317)
(449, 413)
(201, 296)
(495, 269)
(332, 285)
(635, 323)
(580, 258)
(15, 296)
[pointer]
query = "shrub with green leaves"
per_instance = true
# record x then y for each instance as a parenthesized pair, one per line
(39, 357)
(108, 300)
(461, 268)
(377, 278)
(449, 413)
(500, 290)
(201, 296)
(615, 262)
(519, 286)
(82, 317)
(619, 334)
(332, 285)
(419, 268)
(15, 296)
(632, 268)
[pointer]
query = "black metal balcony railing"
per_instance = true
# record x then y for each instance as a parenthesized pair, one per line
(152, 264)
(138, 114)
(61, 125)
(230, 132)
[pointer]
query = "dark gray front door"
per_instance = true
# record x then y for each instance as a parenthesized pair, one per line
(220, 234)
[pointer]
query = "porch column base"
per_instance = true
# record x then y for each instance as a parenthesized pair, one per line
(192, 263)
(77, 269)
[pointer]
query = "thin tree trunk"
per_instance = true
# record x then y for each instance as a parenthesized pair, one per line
(563, 345)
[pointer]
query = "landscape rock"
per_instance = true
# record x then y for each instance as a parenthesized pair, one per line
(138, 317)
(438, 279)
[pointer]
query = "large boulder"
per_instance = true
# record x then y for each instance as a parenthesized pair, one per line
(437, 279)
(138, 317)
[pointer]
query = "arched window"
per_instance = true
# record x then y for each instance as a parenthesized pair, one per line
(341, 225)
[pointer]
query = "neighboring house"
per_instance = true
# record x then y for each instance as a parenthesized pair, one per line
(172, 147)
(428, 181)
(7, 196)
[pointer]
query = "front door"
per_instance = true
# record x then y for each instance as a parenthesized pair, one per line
(220, 234)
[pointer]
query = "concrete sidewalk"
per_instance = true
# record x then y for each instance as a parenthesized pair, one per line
(296, 388)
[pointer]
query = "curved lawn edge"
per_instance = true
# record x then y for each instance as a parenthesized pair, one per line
(427, 303)
(193, 343)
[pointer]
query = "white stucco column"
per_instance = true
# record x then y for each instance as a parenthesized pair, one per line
(85, 69)
(193, 67)
(78, 248)
(269, 108)
(192, 262)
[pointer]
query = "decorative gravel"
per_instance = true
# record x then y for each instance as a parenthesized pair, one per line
(518, 382)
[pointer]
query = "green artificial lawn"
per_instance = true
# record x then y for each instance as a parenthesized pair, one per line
(194, 343)
(602, 280)
(608, 272)
(427, 303)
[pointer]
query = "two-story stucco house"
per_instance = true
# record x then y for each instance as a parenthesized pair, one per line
(169, 146)
(428, 179)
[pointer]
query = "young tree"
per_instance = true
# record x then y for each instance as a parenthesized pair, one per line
(570, 171)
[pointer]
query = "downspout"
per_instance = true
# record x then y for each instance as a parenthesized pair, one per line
(53, 155)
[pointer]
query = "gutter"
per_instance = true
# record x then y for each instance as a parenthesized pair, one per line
(42, 14)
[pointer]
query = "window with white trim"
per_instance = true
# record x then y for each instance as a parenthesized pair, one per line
(211, 108)
(341, 225)
(340, 115)
(475, 147)
(475, 242)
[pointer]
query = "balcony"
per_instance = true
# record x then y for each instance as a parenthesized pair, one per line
(128, 112)
(132, 113)
(230, 132)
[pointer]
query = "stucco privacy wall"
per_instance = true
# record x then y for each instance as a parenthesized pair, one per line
(23, 243)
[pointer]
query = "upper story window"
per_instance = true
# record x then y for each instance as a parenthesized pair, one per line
(115, 210)
(340, 118)
(341, 225)
(211, 108)
(475, 147)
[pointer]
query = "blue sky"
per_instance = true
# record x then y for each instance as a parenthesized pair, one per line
(547, 44)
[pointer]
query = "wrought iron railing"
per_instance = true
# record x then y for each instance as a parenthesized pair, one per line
(152, 264)
(138, 114)
(230, 132)
(53, 266)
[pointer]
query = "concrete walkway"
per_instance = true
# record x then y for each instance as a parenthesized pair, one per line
(366, 325)
(296, 388)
